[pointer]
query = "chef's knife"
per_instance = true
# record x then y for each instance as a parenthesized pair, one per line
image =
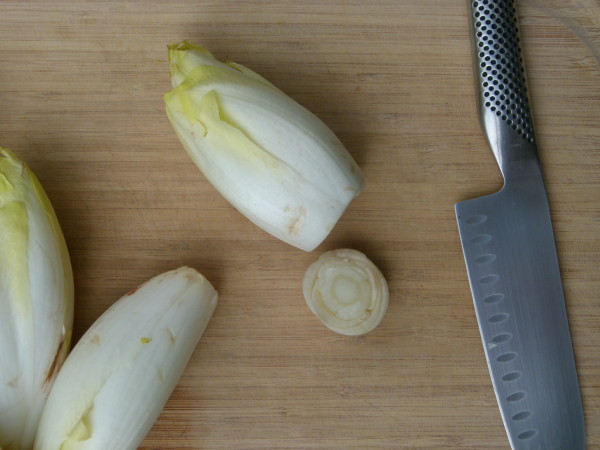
(509, 249)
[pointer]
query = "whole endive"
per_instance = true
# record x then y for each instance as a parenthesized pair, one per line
(271, 158)
(36, 301)
(122, 371)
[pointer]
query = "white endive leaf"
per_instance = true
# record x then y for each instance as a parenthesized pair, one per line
(272, 159)
(122, 371)
(36, 301)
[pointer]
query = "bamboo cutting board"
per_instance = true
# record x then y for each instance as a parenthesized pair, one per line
(81, 85)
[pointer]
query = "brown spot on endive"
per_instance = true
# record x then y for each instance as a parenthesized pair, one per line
(296, 225)
(59, 358)
(14, 382)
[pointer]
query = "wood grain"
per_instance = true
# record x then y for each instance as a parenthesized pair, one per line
(81, 85)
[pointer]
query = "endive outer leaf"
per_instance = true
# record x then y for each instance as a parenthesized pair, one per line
(36, 301)
(272, 159)
(122, 371)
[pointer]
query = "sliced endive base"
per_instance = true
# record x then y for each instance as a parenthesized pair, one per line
(122, 371)
(346, 291)
(272, 159)
(36, 301)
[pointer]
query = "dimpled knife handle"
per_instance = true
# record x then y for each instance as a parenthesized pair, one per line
(502, 89)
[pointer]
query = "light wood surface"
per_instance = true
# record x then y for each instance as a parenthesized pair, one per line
(81, 85)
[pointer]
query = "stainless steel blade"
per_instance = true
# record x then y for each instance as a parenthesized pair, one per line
(509, 249)
(514, 275)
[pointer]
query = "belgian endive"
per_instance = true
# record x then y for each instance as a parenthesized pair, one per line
(272, 159)
(36, 301)
(122, 371)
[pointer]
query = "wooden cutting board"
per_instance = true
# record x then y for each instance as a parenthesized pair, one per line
(81, 85)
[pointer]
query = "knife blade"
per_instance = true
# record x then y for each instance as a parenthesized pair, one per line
(510, 253)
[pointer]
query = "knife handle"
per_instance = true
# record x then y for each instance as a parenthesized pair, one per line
(504, 109)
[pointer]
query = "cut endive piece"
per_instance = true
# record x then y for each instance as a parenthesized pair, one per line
(122, 371)
(272, 159)
(346, 291)
(36, 301)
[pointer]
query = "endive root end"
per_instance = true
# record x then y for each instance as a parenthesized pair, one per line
(346, 291)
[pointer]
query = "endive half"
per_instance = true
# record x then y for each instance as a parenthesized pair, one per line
(122, 371)
(271, 158)
(36, 301)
